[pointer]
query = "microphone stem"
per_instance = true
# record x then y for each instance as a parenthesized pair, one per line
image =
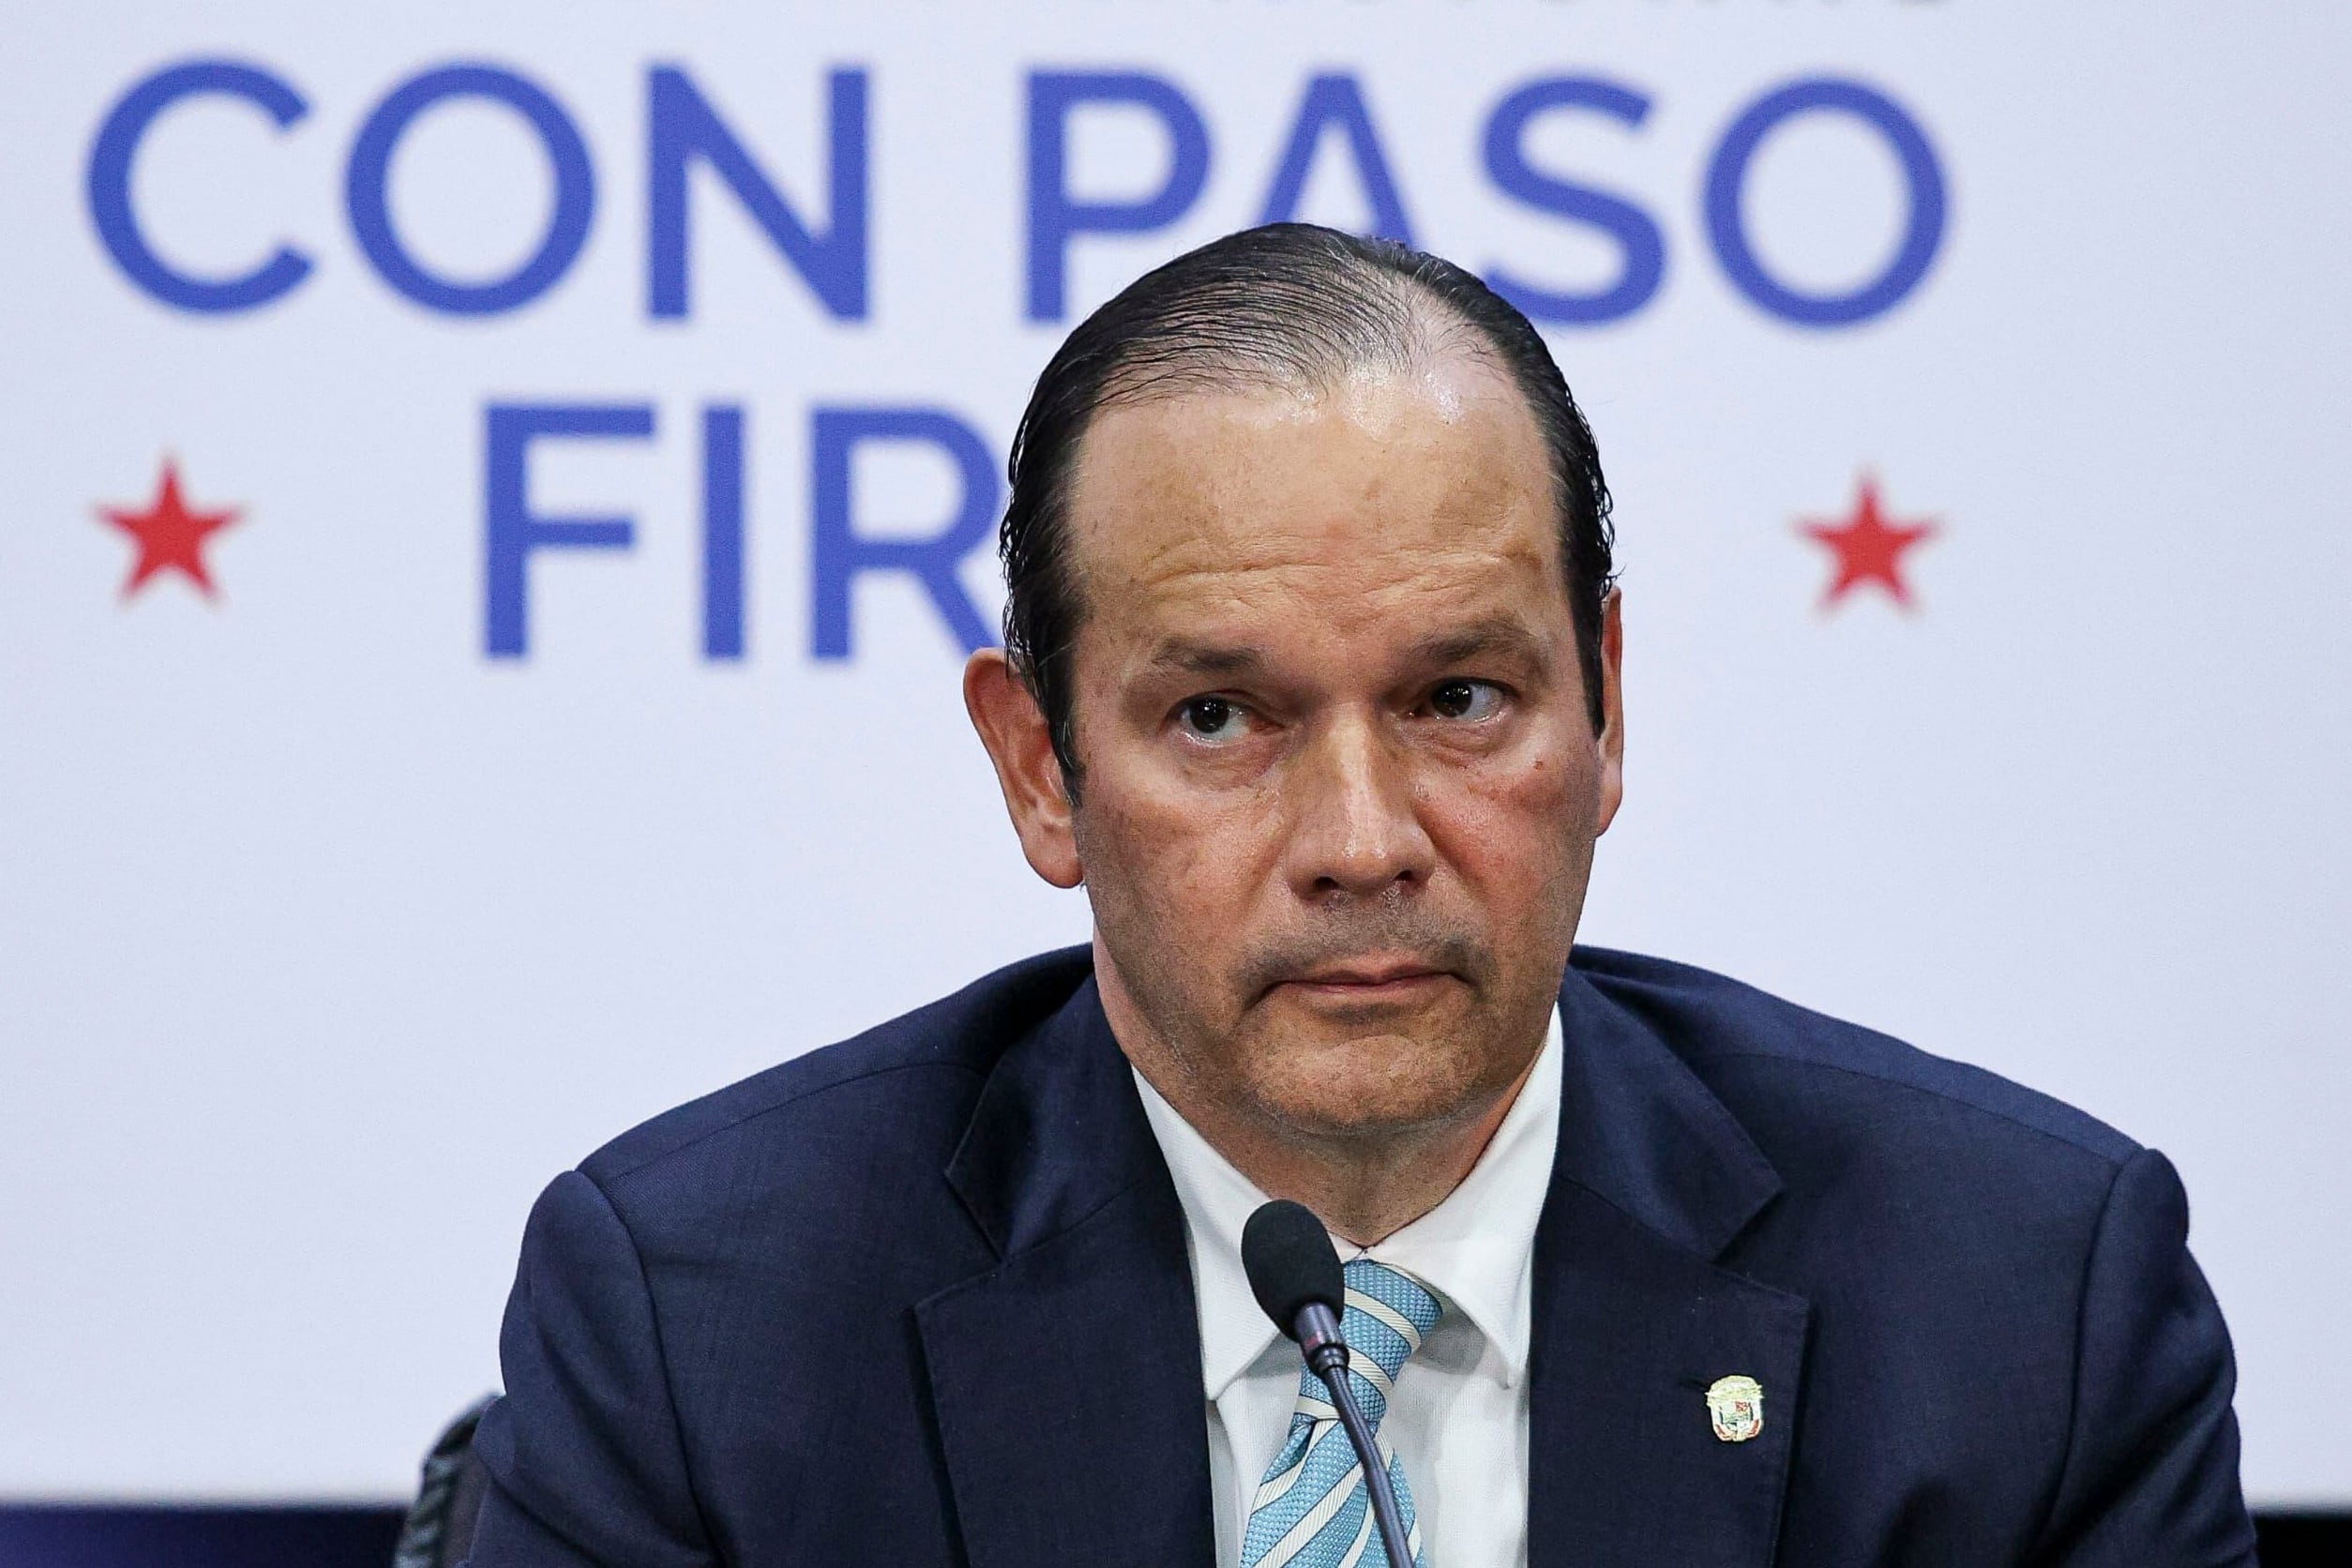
(1334, 1371)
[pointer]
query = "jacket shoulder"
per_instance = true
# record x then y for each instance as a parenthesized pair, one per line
(924, 1066)
(1720, 1026)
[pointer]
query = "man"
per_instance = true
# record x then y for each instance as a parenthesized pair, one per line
(1310, 678)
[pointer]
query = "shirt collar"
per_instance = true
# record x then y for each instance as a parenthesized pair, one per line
(1476, 1249)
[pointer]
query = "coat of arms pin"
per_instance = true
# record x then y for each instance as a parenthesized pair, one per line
(1735, 1405)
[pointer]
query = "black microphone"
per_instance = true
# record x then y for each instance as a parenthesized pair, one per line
(1295, 1275)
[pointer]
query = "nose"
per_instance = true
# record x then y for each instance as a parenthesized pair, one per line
(1355, 829)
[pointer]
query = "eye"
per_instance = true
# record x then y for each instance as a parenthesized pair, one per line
(1212, 719)
(1467, 701)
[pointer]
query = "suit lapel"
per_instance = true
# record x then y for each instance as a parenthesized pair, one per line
(1633, 1319)
(1068, 1379)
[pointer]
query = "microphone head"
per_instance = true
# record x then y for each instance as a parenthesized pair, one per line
(1287, 1256)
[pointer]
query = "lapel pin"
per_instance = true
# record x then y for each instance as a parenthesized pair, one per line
(1735, 1406)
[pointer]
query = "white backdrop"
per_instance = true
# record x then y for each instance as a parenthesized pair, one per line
(329, 933)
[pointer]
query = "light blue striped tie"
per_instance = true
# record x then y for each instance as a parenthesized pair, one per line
(1312, 1511)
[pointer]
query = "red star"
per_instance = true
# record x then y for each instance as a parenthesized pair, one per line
(168, 535)
(1869, 547)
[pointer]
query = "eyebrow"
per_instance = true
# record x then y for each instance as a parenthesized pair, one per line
(1497, 634)
(1205, 658)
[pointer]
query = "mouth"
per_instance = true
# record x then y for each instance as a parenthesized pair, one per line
(1372, 979)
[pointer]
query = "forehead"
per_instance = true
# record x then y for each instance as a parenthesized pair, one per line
(1397, 488)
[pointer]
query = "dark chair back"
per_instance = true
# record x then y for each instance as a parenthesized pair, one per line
(439, 1530)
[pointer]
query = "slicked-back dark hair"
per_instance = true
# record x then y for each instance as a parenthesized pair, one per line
(1286, 305)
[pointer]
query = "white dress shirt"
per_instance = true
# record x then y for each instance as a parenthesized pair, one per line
(1458, 1417)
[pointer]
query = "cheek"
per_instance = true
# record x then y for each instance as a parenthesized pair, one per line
(1513, 827)
(1180, 858)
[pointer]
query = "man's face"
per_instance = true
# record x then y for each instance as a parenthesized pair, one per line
(1340, 786)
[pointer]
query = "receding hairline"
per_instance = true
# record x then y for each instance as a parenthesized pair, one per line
(1408, 327)
(1442, 343)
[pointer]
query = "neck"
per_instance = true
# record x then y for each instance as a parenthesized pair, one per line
(1364, 1185)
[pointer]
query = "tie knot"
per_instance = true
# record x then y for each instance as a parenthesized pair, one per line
(1388, 1313)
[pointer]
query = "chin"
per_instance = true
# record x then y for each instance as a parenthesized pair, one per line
(1369, 1088)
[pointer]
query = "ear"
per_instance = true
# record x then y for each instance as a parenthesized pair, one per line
(1611, 741)
(1013, 730)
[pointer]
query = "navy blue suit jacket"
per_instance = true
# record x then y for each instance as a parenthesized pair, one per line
(921, 1298)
